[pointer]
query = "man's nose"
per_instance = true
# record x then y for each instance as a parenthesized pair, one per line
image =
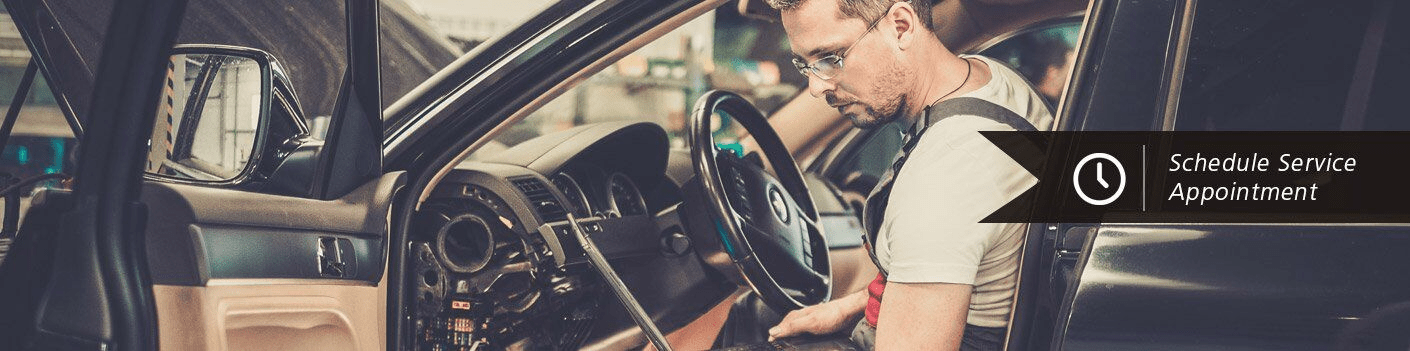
(818, 88)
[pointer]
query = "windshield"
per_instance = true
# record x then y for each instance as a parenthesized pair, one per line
(433, 33)
(657, 83)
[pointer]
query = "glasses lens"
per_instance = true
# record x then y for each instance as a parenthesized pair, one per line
(828, 67)
(802, 67)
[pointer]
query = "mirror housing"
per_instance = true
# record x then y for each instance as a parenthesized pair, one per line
(229, 117)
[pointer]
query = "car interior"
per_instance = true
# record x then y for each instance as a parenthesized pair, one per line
(587, 164)
(697, 227)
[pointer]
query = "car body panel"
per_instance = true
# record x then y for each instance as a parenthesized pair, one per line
(1248, 287)
(1207, 286)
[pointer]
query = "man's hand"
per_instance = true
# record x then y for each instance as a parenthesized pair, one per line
(825, 318)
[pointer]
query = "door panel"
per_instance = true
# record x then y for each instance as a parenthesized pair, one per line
(197, 233)
(244, 271)
(271, 314)
(1256, 287)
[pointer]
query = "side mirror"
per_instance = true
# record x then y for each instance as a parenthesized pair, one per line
(214, 114)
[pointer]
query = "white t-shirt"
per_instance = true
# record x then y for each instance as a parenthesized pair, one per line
(952, 179)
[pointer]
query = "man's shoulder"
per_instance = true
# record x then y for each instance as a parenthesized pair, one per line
(1009, 89)
(958, 132)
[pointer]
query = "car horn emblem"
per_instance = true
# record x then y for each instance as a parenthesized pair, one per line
(776, 202)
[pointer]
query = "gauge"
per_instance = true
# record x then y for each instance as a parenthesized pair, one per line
(575, 194)
(624, 197)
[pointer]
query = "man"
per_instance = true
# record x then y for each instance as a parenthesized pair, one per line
(948, 280)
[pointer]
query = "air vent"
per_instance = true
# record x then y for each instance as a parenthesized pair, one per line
(541, 198)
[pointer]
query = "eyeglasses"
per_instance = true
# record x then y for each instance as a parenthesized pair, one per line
(828, 67)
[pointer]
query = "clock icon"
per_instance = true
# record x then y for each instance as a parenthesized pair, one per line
(1101, 178)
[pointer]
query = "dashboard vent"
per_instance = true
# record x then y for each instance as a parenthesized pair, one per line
(541, 198)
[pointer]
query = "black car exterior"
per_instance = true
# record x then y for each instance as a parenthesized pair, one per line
(1222, 66)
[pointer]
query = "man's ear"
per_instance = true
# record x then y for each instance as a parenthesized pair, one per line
(903, 18)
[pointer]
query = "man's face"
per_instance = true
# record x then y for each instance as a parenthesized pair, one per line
(869, 89)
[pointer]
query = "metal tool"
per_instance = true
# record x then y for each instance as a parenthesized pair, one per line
(618, 287)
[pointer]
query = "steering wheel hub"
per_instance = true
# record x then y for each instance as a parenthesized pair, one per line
(778, 205)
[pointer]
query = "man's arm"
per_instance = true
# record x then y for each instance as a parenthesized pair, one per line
(923, 316)
(826, 318)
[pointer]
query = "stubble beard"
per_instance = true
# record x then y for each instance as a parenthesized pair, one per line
(892, 105)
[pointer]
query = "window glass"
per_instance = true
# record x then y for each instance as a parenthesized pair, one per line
(422, 37)
(1044, 55)
(309, 38)
(41, 141)
(660, 82)
(1295, 65)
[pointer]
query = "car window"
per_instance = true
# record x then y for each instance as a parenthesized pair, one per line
(660, 82)
(41, 141)
(1043, 54)
(1296, 65)
(422, 37)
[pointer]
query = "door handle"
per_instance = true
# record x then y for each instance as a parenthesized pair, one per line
(335, 257)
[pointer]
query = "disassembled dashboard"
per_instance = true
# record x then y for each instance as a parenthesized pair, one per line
(493, 262)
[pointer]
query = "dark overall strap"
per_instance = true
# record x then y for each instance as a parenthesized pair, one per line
(961, 106)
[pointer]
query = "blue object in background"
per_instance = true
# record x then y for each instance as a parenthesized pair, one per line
(735, 147)
(29, 156)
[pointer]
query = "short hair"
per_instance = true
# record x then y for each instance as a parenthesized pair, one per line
(867, 10)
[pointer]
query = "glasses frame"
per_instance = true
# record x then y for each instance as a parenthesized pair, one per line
(812, 67)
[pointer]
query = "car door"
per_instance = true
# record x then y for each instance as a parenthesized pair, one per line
(239, 269)
(1306, 65)
(75, 282)
(245, 262)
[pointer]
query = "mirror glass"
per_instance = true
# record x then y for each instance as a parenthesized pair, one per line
(207, 118)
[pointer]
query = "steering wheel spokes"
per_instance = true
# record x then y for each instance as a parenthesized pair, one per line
(766, 223)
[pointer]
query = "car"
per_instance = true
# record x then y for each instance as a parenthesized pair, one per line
(514, 201)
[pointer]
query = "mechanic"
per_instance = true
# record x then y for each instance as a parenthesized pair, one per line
(947, 281)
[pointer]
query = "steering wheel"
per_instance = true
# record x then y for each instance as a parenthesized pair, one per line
(766, 224)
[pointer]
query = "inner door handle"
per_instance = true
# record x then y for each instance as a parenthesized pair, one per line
(335, 257)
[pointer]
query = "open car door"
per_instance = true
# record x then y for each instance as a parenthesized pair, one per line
(74, 280)
(244, 232)
(239, 268)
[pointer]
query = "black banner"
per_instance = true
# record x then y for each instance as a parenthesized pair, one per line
(1210, 177)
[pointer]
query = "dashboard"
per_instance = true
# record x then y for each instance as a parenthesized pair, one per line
(492, 263)
(606, 194)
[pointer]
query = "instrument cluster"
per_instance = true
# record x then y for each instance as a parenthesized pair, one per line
(592, 191)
